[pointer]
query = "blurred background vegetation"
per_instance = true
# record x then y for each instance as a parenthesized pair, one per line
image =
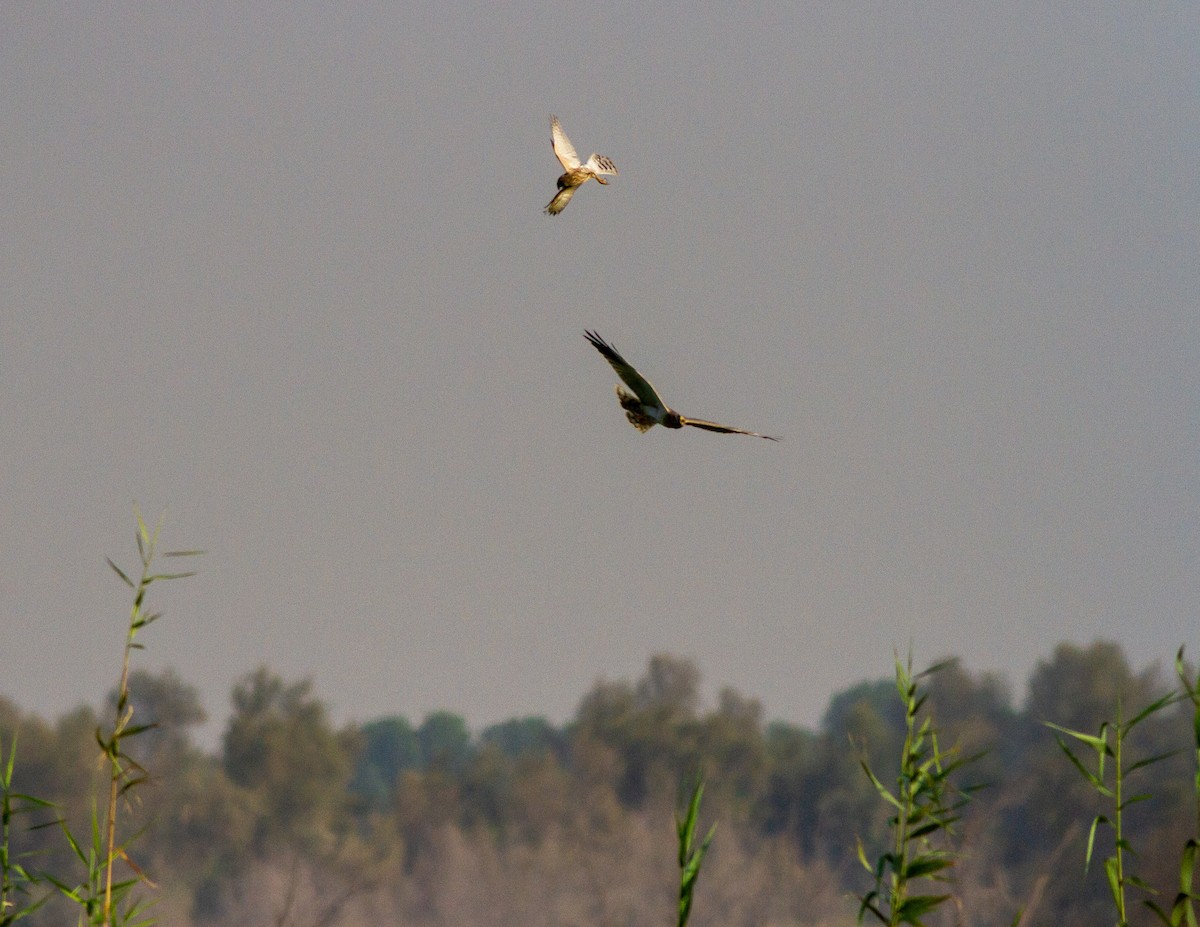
(296, 821)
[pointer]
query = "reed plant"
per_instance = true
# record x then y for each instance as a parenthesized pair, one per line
(103, 899)
(1183, 905)
(17, 882)
(691, 857)
(925, 807)
(1108, 770)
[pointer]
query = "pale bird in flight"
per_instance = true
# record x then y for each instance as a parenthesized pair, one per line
(577, 173)
(644, 407)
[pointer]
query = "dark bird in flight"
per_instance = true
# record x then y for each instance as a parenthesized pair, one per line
(644, 407)
(577, 173)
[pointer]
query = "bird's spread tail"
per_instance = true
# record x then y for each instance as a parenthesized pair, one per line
(601, 165)
(633, 410)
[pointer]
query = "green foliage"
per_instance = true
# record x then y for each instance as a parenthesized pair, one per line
(16, 882)
(1110, 781)
(167, 706)
(1183, 905)
(101, 899)
(691, 857)
(925, 807)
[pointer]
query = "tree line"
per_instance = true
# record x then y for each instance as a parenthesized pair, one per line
(296, 820)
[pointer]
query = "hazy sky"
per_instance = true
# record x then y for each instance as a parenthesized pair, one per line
(281, 269)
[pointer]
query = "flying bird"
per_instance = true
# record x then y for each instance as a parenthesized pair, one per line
(577, 173)
(644, 407)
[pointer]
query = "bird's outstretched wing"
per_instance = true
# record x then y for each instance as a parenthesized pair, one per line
(559, 203)
(641, 387)
(563, 149)
(723, 429)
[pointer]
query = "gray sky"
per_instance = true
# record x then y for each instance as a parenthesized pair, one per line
(285, 274)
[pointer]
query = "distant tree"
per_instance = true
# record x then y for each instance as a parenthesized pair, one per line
(523, 793)
(963, 701)
(518, 736)
(651, 728)
(280, 745)
(733, 750)
(425, 804)
(541, 795)
(10, 718)
(69, 775)
(201, 833)
(879, 695)
(670, 688)
(814, 789)
(390, 747)
(846, 802)
(605, 709)
(786, 803)
(1079, 687)
(445, 741)
(601, 742)
(975, 714)
(487, 784)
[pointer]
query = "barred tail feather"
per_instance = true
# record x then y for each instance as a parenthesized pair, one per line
(601, 165)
